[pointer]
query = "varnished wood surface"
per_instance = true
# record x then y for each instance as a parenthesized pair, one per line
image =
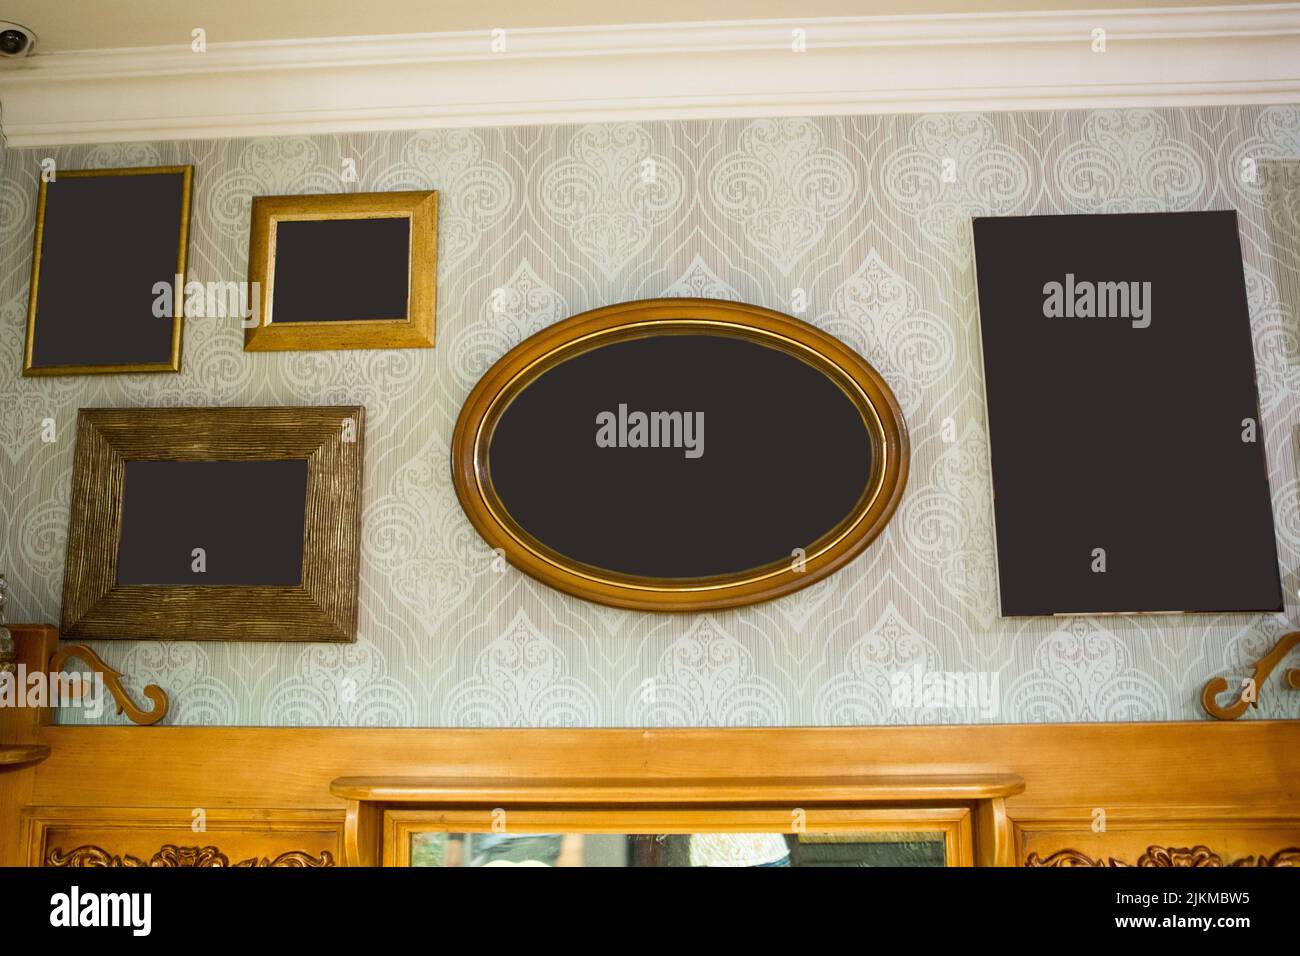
(1263, 668)
(786, 791)
(651, 804)
(1155, 836)
(114, 836)
(17, 755)
(1241, 764)
(994, 834)
(113, 681)
(1231, 786)
(22, 726)
(1181, 780)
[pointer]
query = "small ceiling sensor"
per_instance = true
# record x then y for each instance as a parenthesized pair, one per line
(15, 39)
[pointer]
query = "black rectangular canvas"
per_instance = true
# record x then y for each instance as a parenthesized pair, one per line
(105, 240)
(1129, 469)
(342, 270)
(246, 517)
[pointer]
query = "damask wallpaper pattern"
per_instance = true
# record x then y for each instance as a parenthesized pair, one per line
(859, 224)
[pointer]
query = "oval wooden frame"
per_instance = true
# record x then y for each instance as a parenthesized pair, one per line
(523, 364)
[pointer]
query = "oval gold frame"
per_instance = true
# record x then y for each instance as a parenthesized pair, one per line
(529, 360)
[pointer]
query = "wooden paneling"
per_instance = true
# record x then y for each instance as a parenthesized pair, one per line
(1166, 784)
(1198, 763)
(1231, 786)
(21, 726)
(81, 836)
(1159, 838)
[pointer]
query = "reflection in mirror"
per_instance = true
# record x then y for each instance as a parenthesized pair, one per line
(868, 848)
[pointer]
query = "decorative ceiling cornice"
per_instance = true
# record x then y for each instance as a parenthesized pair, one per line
(998, 61)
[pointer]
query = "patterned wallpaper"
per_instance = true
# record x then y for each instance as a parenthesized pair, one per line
(855, 212)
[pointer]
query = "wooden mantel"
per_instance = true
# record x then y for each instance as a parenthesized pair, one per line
(1169, 792)
(604, 800)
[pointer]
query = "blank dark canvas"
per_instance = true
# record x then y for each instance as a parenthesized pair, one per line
(107, 241)
(248, 517)
(785, 457)
(342, 270)
(1123, 436)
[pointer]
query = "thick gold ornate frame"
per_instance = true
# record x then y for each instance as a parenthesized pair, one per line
(653, 317)
(415, 331)
(173, 364)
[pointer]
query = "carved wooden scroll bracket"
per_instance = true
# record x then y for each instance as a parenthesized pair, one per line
(113, 681)
(1249, 696)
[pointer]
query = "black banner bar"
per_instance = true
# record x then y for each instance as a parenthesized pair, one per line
(332, 906)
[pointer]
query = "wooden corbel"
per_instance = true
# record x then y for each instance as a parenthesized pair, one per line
(1265, 666)
(113, 680)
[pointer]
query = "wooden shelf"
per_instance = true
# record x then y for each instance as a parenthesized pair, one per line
(882, 788)
(18, 755)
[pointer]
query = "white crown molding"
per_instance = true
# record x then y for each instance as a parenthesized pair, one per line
(1001, 61)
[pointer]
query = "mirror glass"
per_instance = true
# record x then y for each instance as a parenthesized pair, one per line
(849, 848)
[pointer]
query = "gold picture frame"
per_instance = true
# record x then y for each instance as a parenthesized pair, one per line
(173, 362)
(865, 388)
(322, 606)
(415, 330)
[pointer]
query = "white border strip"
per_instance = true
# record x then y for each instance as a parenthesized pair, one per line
(1173, 56)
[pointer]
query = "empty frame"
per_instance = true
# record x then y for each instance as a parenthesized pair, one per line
(1128, 459)
(348, 271)
(215, 523)
(105, 240)
(680, 455)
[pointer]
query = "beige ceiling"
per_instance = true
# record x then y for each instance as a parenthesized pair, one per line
(94, 24)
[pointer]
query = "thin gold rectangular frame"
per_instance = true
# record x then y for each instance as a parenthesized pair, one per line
(412, 332)
(178, 318)
(323, 607)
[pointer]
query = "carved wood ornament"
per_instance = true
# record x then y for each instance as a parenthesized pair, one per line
(1266, 665)
(170, 855)
(113, 681)
(1167, 856)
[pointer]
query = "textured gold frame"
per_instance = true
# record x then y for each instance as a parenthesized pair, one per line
(652, 317)
(415, 331)
(323, 607)
(178, 318)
